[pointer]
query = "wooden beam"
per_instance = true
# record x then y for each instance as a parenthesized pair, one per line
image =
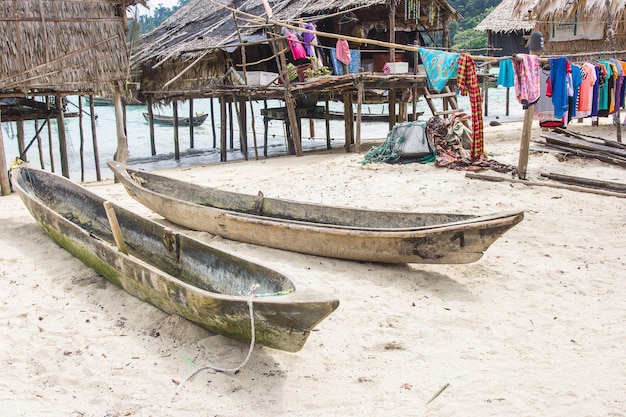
(5, 186)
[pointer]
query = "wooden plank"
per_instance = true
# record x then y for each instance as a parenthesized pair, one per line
(493, 178)
(587, 182)
(115, 227)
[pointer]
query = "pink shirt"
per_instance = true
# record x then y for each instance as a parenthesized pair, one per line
(343, 51)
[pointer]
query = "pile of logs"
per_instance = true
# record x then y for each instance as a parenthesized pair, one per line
(571, 143)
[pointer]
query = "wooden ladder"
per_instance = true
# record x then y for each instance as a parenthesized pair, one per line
(450, 105)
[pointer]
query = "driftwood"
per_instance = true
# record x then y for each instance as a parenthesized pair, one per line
(546, 184)
(608, 151)
(587, 182)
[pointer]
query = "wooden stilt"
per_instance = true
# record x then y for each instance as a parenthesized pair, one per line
(223, 150)
(121, 154)
(359, 111)
(176, 142)
(231, 133)
(5, 185)
(213, 124)
(94, 138)
(39, 145)
(50, 146)
(65, 168)
(349, 120)
(21, 140)
(151, 121)
(82, 138)
(191, 144)
(327, 123)
(392, 109)
(525, 143)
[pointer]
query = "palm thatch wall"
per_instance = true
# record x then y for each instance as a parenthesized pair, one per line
(191, 51)
(549, 13)
(63, 46)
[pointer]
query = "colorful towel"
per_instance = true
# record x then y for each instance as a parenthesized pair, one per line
(353, 67)
(440, 66)
(506, 75)
(468, 84)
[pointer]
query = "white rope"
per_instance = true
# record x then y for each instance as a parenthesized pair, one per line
(245, 361)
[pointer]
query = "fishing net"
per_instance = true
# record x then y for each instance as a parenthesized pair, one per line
(406, 142)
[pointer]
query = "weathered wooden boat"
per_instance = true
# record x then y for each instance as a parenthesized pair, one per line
(170, 270)
(338, 232)
(169, 120)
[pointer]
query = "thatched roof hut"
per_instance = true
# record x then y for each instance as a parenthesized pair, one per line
(63, 46)
(507, 32)
(574, 26)
(191, 50)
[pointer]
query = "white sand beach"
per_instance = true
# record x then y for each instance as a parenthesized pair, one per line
(534, 328)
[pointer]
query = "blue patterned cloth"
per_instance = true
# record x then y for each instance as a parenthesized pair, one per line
(353, 67)
(440, 66)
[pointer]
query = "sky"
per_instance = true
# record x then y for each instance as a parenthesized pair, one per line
(155, 3)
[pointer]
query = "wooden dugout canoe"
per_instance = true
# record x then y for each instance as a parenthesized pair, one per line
(171, 271)
(160, 119)
(337, 232)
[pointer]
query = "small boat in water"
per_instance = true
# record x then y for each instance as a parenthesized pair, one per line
(169, 120)
(336, 232)
(174, 272)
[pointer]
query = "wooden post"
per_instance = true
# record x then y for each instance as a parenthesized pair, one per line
(242, 120)
(94, 138)
(176, 143)
(149, 103)
(39, 144)
(392, 108)
(525, 142)
(50, 146)
(392, 28)
(82, 138)
(21, 140)
(349, 120)
(359, 110)
(223, 121)
(191, 144)
(289, 101)
(327, 123)
(611, 38)
(121, 154)
(213, 124)
(5, 185)
(65, 168)
(507, 101)
(231, 134)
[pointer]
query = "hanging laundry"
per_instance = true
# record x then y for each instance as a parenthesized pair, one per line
(506, 74)
(440, 66)
(526, 79)
(468, 84)
(585, 96)
(343, 51)
(297, 50)
(310, 40)
(559, 68)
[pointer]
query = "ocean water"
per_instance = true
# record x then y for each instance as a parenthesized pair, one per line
(203, 152)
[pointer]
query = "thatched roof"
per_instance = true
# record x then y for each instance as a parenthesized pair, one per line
(502, 19)
(63, 46)
(547, 13)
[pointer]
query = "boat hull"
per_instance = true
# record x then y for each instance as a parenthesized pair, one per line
(337, 232)
(171, 271)
(169, 120)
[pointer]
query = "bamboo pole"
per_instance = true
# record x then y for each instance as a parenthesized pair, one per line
(213, 124)
(359, 111)
(349, 120)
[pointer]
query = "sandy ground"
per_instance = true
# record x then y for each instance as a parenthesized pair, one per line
(534, 328)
